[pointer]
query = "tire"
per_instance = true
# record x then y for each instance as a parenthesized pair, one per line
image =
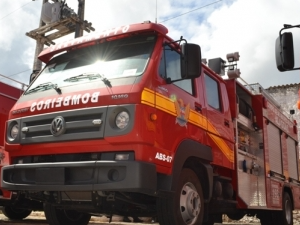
(186, 206)
(56, 216)
(283, 217)
(286, 216)
(15, 213)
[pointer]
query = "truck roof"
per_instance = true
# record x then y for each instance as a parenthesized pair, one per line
(92, 39)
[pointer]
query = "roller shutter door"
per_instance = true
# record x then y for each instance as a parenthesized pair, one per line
(292, 158)
(274, 144)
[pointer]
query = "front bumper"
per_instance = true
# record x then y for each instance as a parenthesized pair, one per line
(124, 176)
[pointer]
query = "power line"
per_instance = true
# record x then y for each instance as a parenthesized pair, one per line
(191, 11)
(5, 77)
(9, 76)
(15, 10)
(19, 73)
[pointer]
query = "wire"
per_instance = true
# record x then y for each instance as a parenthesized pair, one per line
(16, 74)
(15, 10)
(191, 11)
(19, 73)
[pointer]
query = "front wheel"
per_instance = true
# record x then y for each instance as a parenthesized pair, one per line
(186, 207)
(56, 216)
(14, 213)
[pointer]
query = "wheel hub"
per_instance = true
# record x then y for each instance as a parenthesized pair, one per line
(190, 204)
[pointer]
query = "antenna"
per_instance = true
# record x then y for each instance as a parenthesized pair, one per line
(156, 13)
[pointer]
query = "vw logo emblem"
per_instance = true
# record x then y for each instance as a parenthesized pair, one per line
(58, 126)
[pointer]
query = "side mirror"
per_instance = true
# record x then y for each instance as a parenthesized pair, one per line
(284, 51)
(191, 61)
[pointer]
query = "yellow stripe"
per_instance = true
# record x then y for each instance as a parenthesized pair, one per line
(148, 97)
(165, 104)
(197, 119)
(223, 146)
(214, 134)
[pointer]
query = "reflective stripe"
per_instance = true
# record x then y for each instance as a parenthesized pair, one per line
(167, 105)
(148, 97)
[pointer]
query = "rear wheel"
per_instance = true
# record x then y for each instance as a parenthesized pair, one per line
(286, 216)
(56, 216)
(15, 213)
(186, 207)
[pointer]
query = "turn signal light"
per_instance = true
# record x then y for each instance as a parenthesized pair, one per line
(153, 116)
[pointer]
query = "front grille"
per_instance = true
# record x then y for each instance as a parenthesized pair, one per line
(75, 157)
(79, 125)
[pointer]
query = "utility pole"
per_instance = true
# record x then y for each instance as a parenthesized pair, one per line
(67, 23)
(81, 7)
(37, 64)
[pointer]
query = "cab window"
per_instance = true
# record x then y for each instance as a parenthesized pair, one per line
(170, 67)
(212, 92)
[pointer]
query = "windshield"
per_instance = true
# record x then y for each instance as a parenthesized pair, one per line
(119, 58)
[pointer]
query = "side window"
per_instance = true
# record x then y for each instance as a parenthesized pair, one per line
(212, 92)
(170, 67)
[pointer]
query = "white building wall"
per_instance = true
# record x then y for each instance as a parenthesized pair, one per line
(287, 97)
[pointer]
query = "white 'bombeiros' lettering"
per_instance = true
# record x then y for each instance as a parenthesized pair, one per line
(85, 98)
(47, 104)
(65, 101)
(32, 108)
(102, 34)
(75, 99)
(117, 29)
(53, 101)
(125, 29)
(95, 97)
(58, 102)
(40, 105)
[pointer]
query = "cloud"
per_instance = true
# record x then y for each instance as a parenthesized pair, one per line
(250, 27)
(13, 24)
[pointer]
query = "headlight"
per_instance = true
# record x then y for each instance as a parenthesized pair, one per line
(122, 156)
(14, 131)
(122, 120)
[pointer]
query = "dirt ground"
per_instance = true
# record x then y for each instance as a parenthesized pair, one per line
(37, 218)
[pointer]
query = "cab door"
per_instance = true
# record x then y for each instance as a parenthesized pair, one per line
(179, 105)
(220, 129)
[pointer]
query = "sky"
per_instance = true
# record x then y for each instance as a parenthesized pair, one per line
(249, 27)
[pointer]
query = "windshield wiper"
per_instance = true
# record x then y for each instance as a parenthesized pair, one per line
(44, 87)
(90, 76)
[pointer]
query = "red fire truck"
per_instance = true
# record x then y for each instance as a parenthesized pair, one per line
(130, 122)
(12, 207)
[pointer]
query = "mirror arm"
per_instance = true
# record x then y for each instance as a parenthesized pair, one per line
(169, 81)
(287, 26)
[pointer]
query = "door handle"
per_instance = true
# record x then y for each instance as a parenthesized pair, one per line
(198, 107)
(226, 123)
